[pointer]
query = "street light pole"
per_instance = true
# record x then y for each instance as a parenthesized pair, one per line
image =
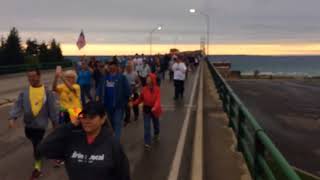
(159, 28)
(151, 33)
(208, 32)
(175, 41)
(193, 11)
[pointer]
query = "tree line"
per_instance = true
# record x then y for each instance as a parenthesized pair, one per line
(13, 53)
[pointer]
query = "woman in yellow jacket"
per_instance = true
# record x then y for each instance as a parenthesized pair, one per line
(69, 95)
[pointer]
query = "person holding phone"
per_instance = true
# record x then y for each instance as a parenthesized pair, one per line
(69, 93)
(88, 148)
(69, 96)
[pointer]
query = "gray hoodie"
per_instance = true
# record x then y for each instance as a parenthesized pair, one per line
(49, 110)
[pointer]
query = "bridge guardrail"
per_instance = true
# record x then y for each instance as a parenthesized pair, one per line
(263, 159)
(24, 67)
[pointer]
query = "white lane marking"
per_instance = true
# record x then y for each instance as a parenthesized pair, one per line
(6, 104)
(175, 165)
(173, 107)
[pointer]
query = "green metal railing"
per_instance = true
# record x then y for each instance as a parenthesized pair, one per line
(262, 157)
(24, 67)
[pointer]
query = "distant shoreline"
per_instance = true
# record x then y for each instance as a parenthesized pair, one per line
(284, 77)
(292, 66)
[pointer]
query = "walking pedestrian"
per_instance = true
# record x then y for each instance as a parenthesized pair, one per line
(171, 62)
(69, 97)
(143, 72)
(115, 95)
(69, 94)
(134, 82)
(137, 63)
(158, 70)
(37, 105)
(98, 73)
(150, 97)
(84, 80)
(164, 63)
(88, 148)
(179, 70)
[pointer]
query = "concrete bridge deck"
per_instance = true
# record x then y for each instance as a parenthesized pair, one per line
(175, 146)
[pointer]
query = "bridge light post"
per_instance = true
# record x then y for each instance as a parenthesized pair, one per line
(159, 28)
(194, 11)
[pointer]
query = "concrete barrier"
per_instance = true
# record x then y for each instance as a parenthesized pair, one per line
(197, 156)
(222, 161)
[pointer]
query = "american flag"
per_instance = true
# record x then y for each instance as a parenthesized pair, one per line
(81, 41)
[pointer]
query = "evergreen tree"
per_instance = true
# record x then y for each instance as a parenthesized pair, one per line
(43, 53)
(2, 43)
(32, 48)
(12, 48)
(55, 52)
(59, 53)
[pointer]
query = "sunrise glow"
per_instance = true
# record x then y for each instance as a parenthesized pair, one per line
(217, 49)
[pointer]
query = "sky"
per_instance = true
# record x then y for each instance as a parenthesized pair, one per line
(111, 27)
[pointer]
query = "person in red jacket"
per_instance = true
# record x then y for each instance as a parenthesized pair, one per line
(150, 97)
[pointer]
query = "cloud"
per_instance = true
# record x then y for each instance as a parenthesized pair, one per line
(129, 21)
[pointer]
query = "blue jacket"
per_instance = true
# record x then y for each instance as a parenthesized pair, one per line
(84, 77)
(122, 91)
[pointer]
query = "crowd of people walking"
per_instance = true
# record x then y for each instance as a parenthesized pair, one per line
(90, 105)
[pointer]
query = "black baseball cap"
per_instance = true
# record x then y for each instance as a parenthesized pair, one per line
(93, 109)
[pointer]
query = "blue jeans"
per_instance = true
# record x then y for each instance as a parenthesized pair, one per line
(116, 117)
(85, 92)
(148, 118)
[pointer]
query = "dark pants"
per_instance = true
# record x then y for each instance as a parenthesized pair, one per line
(158, 80)
(128, 113)
(64, 117)
(85, 92)
(178, 88)
(163, 74)
(35, 136)
(143, 81)
(148, 119)
(134, 96)
(187, 71)
(171, 75)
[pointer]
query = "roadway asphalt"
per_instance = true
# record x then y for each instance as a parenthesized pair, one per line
(16, 153)
(289, 112)
(10, 85)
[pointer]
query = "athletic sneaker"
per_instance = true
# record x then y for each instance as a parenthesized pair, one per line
(125, 124)
(147, 147)
(36, 174)
(58, 163)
